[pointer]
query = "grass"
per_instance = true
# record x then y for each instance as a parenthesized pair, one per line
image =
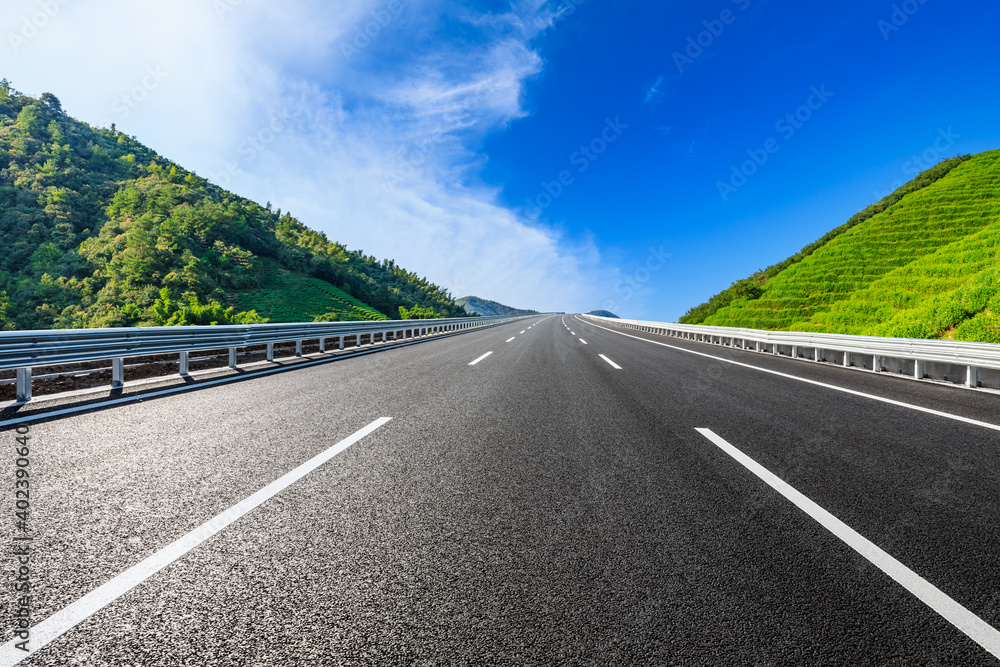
(292, 297)
(927, 267)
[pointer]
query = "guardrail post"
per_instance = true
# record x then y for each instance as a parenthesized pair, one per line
(341, 339)
(795, 351)
(24, 384)
(185, 362)
(919, 369)
(270, 351)
(875, 365)
(972, 377)
(322, 345)
(298, 348)
(232, 357)
(847, 359)
(117, 373)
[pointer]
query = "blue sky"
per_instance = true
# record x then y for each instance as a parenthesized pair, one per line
(558, 155)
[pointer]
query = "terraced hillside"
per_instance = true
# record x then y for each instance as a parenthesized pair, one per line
(293, 297)
(925, 267)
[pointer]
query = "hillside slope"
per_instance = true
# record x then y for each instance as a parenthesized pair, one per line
(925, 266)
(487, 308)
(98, 231)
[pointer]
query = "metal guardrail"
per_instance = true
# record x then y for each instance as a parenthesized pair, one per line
(971, 357)
(23, 350)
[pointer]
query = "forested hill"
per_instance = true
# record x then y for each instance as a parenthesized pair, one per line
(487, 308)
(100, 231)
(922, 263)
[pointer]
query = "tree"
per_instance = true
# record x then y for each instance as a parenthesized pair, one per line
(417, 313)
(52, 102)
(4, 305)
(188, 311)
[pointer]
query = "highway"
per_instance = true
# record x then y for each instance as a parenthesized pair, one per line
(542, 492)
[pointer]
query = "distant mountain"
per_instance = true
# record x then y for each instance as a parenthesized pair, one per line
(98, 230)
(603, 313)
(487, 308)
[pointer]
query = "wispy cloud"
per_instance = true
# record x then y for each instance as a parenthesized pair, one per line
(654, 94)
(437, 80)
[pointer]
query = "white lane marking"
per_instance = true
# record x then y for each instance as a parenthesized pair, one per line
(523, 331)
(510, 339)
(817, 383)
(480, 358)
(62, 621)
(613, 364)
(573, 333)
(583, 341)
(204, 384)
(978, 630)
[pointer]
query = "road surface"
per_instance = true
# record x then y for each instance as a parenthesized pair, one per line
(543, 492)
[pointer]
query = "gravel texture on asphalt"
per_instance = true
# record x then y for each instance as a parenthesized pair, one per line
(540, 507)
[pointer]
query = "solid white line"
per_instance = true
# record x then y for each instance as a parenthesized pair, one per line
(613, 364)
(510, 339)
(911, 406)
(480, 359)
(583, 341)
(62, 621)
(978, 630)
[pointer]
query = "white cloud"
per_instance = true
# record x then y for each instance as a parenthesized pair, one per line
(379, 150)
(654, 93)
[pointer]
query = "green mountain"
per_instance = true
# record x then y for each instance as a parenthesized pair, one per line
(922, 263)
(474, 305)
(100, 231)
(604, 313)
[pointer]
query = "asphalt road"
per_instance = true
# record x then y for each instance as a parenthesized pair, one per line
(546, 505)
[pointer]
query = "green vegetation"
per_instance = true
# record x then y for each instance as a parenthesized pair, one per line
(100, 231)
(922, 263)
(416, 313)
(293, 297)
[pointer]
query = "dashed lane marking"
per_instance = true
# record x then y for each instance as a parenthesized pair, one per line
(613, 364)
(473, 363)
(976, 628)
(62, 621)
